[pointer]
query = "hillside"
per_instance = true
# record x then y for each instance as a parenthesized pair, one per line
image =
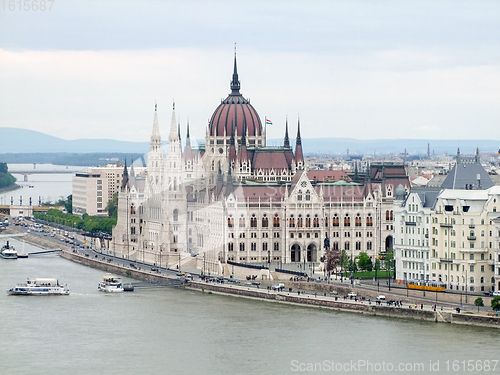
(28, 141)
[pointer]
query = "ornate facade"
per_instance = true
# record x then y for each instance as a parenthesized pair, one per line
(236, 199)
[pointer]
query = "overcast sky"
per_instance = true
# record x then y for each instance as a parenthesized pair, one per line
(357, 69)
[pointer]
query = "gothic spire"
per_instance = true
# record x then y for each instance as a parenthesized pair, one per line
(174, 135)
(287, 140)
(299, 157)
(155, 136)
(125, 176)
(235, 83)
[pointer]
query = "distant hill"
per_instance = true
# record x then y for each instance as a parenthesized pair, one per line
(28, 141)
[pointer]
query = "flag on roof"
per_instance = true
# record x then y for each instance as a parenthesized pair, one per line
(268, 122)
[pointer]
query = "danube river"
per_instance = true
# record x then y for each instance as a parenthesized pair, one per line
(172, 331)
(47, 187)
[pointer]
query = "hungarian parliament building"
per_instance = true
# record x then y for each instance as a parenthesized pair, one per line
(237, 199)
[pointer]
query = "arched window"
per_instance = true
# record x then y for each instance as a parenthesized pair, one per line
(253, 221)
(176, 215)
(387, 215)
(132, 210)
(358, 220)
(308, 221)
(230, 221)
(326, 221)
(347, 221)
(335, 221)
(175, 184)
(316, 221)
(242, 221)
(308, 195)
(299, 195)
(369, 221)
(391, 215)
(299, 221)
(346, 245)
(292, 221)
(265, 221)
(276, 221)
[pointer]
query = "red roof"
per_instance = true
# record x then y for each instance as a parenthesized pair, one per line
(321, 176)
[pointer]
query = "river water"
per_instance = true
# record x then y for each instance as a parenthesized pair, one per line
(47, 187)
(172, 331)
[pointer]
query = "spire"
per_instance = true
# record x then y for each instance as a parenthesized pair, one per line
(179, 131)
(299, 157)
(155, 136)
(235, 83)
(478, 159)
(174, 135)
(188, 139)
(287, 140)
(459, 158)
(242, 156)
(232, 146)
(125, 176)
(187, 151)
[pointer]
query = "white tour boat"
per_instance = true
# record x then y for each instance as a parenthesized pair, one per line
(110, 284)
(8, 252)
(39, 287)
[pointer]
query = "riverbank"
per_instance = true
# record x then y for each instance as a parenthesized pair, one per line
(406, 311)
(306, 297)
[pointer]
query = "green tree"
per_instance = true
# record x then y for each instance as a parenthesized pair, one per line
(369, 265)
(112, 206)
(479, 303)
(344, 260)
(363, 260)
(495, 303)
(69, 204)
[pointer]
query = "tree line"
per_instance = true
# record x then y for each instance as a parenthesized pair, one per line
(6, 179)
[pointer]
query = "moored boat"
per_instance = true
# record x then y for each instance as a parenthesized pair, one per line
(8, 252)
(110, 284)
(39, 287)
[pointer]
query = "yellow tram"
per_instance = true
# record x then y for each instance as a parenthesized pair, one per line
(434, 286)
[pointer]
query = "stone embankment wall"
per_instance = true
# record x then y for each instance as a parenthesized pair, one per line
(113, 268)
(341, 305)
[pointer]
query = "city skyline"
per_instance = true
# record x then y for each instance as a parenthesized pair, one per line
(351, 70)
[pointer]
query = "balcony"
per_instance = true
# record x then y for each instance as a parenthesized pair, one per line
(472, 226)
(471, 238)
(446, 260)
(446, 225)
(412, 223)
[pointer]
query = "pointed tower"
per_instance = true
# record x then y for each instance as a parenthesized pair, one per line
(125, 186)
(235, 82)
(287, 140)
(299, 157)
(155, 164)
(232, 148)
(174, 162)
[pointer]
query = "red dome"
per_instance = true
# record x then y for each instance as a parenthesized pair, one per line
(237, 110)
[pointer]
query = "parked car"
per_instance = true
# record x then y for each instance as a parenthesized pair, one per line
(496, 294)
(352, 295)
(255, 283)
(381, 298)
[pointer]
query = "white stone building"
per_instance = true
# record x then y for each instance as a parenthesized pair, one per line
(240, 201)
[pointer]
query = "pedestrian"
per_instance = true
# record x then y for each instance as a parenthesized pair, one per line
(422, 306)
